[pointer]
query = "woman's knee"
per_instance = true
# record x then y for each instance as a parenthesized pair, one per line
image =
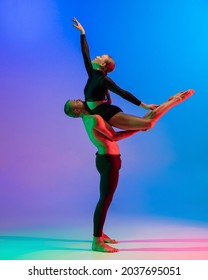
(150, 124)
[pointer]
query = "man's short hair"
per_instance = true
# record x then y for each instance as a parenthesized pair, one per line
(68, 109)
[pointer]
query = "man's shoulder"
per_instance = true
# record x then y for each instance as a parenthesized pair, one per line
(94, 117)
(93, 120)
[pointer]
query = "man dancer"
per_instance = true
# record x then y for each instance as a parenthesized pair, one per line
(108, 163)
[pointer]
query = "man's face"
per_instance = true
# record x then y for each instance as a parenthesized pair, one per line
(76, 104)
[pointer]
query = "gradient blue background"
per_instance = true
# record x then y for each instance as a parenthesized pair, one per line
(47, 169)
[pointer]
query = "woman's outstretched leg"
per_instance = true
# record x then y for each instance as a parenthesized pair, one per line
(176, 99)
(130, 122)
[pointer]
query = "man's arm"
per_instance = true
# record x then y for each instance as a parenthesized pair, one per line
(108, 98)
(105, 129)
(120, 135)
(84, 46)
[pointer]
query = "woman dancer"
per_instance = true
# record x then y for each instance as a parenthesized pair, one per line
(97, 95)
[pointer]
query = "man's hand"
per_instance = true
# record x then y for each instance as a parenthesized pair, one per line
(78, 26)
(108, 98)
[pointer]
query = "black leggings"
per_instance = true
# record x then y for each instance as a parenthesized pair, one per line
(108, 166)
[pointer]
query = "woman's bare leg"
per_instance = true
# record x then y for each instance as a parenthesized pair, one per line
(157, 113)
(131, 122)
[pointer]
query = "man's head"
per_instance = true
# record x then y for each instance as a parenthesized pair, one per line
(104, 62)
(74, 108)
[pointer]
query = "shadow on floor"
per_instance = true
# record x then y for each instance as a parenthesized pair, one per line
(26, 243)
(30, 238)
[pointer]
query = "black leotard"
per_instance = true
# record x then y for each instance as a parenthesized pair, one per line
(98, 83)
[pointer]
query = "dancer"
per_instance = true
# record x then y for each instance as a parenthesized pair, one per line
(97, 91)
(108, 163)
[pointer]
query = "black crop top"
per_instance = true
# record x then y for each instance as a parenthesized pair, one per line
(98, 83)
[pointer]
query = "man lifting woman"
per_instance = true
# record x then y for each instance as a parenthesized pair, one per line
(98, 116)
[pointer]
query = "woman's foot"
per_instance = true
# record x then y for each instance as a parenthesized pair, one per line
(99, 245)
(107, 239)
(181, 96)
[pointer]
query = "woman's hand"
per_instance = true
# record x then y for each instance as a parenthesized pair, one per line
(78, 26)
(149, 107)
(152, 106)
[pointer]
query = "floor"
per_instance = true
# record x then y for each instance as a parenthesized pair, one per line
(139, 239)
